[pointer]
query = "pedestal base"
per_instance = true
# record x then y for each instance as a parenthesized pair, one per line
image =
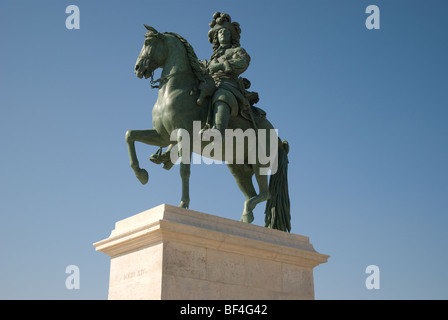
(173, 253)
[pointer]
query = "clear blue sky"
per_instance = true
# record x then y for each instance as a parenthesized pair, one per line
(365, 112)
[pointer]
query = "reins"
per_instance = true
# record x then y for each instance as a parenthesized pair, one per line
(161, 80)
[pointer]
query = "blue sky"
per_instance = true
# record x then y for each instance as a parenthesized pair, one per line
(364, 111)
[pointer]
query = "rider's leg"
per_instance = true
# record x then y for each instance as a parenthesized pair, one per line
(164, 157)
(221, 116)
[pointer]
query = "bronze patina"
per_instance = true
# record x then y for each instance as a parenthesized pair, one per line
(214, 94)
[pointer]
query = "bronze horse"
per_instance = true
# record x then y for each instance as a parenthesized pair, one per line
(181, 101)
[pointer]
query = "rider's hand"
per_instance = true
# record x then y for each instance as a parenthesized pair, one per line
(215, 67)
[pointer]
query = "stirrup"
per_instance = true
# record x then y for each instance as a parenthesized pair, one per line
(159, 158)
(206, 127)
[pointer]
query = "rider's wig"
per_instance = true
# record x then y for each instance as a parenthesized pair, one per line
(223, 20)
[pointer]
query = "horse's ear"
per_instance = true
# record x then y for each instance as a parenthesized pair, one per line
(150, 29)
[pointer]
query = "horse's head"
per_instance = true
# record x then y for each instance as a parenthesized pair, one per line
(152, 55)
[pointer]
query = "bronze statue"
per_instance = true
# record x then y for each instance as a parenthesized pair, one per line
(212, 94)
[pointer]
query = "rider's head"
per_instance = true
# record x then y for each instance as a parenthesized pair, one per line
(217, 36)
(224, 37)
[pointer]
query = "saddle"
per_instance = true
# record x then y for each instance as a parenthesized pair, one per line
(246, 99)
(258, 114)
(247, 110)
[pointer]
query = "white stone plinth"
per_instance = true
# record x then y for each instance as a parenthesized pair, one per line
(173, 253)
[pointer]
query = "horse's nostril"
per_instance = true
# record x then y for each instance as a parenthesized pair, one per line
(136, 67)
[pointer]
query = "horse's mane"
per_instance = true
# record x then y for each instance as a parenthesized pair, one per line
(197, 68)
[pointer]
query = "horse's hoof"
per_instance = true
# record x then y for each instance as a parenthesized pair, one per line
(183, 205)
(142, 176)
(247, 217)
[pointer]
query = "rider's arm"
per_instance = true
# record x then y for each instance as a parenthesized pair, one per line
(239, 62)
(236, 63)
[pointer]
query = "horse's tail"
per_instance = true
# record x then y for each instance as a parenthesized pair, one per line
(277, 207)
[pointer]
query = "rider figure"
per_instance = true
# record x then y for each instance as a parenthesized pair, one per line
(227, 62)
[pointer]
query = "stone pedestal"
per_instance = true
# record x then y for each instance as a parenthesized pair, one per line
(173, 253)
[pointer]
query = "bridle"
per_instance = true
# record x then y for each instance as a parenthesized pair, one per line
(156, 84)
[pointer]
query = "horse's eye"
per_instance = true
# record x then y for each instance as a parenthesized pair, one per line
(147, 42)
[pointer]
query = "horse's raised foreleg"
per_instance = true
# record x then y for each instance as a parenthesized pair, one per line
(150, 137)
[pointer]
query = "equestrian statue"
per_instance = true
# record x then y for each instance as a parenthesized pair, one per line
(214, 95)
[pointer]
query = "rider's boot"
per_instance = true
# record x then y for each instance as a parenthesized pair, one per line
(164, 158)
(222, 116)
(220, 121)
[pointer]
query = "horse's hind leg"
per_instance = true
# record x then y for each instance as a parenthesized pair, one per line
(263, 185)
(150, 137)
(243, 175)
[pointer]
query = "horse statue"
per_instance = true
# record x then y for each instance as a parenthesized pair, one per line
(184, 99)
